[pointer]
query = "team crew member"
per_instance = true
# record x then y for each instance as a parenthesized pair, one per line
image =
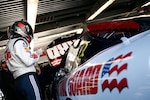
(20, 60)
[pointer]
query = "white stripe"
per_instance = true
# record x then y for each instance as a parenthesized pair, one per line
(35, 87)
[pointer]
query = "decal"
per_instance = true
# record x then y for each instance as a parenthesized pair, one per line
(7, 54)
(88, 80)
(114, 84)
(115, 68)
(82, 49)
(58, 50)
(84, 81)
(27, 48)
(107, 70)
(106, 67)
(34, 55)
(56, 62)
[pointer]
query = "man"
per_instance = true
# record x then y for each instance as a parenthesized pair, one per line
(20, 60)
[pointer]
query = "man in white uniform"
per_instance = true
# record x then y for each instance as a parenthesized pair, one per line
(20, 61)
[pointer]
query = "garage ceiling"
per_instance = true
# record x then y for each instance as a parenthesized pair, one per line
(56, 16)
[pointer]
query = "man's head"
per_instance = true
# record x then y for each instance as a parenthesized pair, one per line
(20, 29)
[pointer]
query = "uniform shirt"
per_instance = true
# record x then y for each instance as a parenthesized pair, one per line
(19, 58)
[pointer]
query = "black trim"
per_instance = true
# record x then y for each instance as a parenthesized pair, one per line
(18, 40)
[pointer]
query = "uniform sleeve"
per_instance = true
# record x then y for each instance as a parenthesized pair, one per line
(23, 52)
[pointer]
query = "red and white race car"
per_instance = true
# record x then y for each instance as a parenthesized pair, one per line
(118, 71)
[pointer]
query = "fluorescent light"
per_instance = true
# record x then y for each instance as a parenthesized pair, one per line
(147, 4)
(2, 48)
(102, 8)
(132, 17)
(32, 6)
(41, 41)
(78, 31)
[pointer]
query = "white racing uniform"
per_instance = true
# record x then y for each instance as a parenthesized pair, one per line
(20, 62)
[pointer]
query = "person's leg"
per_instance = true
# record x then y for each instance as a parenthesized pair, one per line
(35, 87)
(27, 87)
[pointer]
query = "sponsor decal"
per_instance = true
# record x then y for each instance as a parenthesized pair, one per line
(56, 52)
(56, 62)
(27, 48)
(108, 69)
(34, 55)
(87, 81)
(84, 81)
(7, 54)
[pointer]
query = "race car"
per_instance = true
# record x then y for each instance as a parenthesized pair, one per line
(83, 72)
(99, 37)
(119, 72)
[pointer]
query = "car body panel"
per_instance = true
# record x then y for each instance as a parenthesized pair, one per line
(120, 72)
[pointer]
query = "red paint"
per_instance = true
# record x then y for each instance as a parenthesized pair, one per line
(121, 57)
(21, 25)
(115, 68)
(114, 84)
(7, 54)
(114, 25)
(84, 81)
